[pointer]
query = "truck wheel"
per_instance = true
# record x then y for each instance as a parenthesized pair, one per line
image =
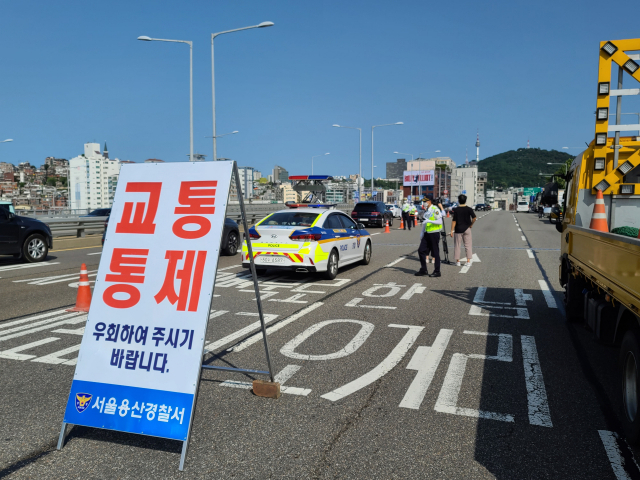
(629, 369)
(35, 248)
(332, 266)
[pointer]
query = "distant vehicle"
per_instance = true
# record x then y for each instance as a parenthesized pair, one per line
(100, 212)
(303, 239)
(481, 207)
(372, 213)
(395, 210)
(230, 236)
(24, 237)
(8, 206)
(523, 206)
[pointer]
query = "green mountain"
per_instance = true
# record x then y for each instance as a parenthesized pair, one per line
(520, 168)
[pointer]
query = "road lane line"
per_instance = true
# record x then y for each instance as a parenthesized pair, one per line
(286, 373)
(29, 319)
(609, 441)
(425, 360)
(228, 268)
(530, 253)
(52, 324)
(12, 353)
(519, 229)
(54, 358)
(394, 262)
(274, 328)
(536, 392)
(77, 331)
(548, 296)
(27, 265)
(396, 355)
(448, 398)
(77, 248)
(36, 324)
(524, 239)
(95, 253)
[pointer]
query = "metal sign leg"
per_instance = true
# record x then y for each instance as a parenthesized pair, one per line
(62, 434)
(183, 455)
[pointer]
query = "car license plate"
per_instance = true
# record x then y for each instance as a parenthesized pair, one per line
(271, 259)
(364, 219)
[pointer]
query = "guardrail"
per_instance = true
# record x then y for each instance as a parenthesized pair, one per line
(80, 226)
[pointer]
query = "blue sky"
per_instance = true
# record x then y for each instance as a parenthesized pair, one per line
(72, 72)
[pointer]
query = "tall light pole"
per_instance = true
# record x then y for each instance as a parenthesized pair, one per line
(360, 181)
(225, 134)
(315, 157)
(213, 78)
(149, 39)
(372, 127)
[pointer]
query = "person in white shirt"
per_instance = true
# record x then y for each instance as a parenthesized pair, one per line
(430, 239)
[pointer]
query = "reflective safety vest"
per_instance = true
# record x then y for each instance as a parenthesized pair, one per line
(433, 214)
(406, 207)
(413, 210)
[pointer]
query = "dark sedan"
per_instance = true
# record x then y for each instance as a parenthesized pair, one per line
(372, 213)
(24, 237)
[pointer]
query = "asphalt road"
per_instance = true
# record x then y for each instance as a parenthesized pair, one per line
(385, 375)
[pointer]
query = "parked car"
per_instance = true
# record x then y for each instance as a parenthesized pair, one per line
(24, 237)
(230, 236)
(372, 213)
(8, 206)
(395, 210)
(100, 212)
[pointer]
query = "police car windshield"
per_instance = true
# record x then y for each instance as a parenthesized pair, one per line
(291, 218)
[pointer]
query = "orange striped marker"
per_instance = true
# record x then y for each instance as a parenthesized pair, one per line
(599, 216)
(83, 299)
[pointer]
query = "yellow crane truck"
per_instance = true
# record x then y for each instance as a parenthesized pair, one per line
(600, 271)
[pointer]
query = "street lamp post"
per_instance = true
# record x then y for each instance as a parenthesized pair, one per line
(213, 78)
(360, 172)
(225, 134)
(148, 39)
(315, 157)
(372, 127)
(565, 166)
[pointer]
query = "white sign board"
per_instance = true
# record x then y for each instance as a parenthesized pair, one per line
(141, 353)
(417, 178)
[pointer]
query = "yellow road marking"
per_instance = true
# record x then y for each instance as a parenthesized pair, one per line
(77, 248)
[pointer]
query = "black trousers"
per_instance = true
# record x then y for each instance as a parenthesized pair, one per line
(405, 219)
(429, 245)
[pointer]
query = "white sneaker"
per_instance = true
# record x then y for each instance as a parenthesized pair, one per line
(457, 264)
(469, 263)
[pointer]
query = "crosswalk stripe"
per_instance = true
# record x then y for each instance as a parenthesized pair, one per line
(12, 353)
(54, 323)
(54, 279)
(29, 319)
(54, 358)
(26, 265)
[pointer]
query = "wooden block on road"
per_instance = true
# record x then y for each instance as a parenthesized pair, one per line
(266, 389)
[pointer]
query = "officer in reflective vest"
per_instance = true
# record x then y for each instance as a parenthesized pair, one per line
(412, 214)
(430, 239)
(406, 208)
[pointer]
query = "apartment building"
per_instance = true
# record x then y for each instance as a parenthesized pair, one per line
(93, 178)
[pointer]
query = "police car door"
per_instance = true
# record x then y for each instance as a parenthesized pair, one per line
(341, 239)
(355, 246)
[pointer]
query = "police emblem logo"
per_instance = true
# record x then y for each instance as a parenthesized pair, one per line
(358, 241)
(82, 401)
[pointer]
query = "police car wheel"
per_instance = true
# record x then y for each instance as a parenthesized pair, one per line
(332, 266)
(367, 254)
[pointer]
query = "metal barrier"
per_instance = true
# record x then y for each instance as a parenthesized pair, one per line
(79, 226)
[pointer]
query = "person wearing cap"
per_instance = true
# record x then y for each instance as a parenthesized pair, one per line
(430, 239)
(406, 208)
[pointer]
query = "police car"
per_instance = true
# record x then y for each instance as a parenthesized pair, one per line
(307, 238)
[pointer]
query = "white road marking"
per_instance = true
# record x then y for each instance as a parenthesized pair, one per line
(20, 266)
(548, 296)
(536, 392)
(521, 297)
(519, 229)
(505, 346)
(240, 333)
(288, 350)
(355, 303)
(54, 358)
(69, 319)
(54, 279)
(609, 440)
(274, 328)
(216, 313)
(293, 299)
(395, 262)
(29, 319)
(283, 388)
(392, 287)
(95, 253)
(465, 269)
(12, 353)
(448, 398)
(286, 373)
(530, 253)
(480, 305)
(425, 360)
(475, 258)
(77, 331)
(524, 239)
(396, 355)
(375, 234)
(415, 288)
(228, 268)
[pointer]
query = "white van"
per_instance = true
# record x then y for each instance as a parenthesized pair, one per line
(523, 206)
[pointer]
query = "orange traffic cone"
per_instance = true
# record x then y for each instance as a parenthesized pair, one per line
(447, 213)
(415, 222)
(83, 299)
(401, 224)
(599, 217)
(386, 229)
